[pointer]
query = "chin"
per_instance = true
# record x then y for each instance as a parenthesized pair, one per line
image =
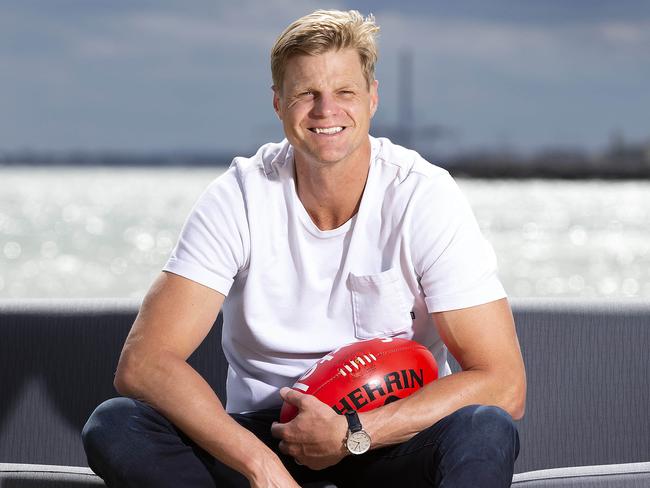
(322, 155)
(329, 158)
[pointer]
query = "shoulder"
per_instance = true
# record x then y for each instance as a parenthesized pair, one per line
(409, 168)
(425, 193)
(266, 162)
(246, 172)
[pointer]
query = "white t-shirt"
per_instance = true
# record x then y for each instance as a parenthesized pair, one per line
(295, 292)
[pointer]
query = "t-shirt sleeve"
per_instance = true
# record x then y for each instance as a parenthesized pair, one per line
(214, 242)
(456, 264)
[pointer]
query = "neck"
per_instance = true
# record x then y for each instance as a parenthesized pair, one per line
(331, 193)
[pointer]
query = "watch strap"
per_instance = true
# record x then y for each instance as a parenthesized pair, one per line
(354, 423)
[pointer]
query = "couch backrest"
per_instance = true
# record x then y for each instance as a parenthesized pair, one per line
(57, 360)
(588, 372)
(587, 365)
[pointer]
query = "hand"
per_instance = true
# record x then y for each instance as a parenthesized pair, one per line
(315, 436)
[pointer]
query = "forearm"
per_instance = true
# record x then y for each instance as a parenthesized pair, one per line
(178, 392)
(399, 421)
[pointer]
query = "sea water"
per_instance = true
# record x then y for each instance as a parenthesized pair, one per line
(106, 232)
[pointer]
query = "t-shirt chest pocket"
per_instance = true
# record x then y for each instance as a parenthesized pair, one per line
(380, 304)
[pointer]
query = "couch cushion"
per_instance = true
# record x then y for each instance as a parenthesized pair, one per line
(632, 475)
(47, 476)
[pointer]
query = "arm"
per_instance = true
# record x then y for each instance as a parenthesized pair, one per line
(175, 317)
(483, 340)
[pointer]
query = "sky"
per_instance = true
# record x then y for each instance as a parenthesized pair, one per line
(162, 75)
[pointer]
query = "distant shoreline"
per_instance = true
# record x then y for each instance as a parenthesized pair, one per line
(619, 161)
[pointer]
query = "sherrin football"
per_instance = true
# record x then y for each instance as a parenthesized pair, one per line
(365, 375)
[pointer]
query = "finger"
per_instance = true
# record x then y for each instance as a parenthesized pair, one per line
(284, 448)
(292, 396)
(278, 430)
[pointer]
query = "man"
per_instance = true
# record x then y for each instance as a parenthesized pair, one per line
(328, 237)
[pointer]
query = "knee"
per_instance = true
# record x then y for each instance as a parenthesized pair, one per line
(479, 448)
(488, 425)
(104, 428)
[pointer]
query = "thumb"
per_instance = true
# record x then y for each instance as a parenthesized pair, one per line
(292, 397)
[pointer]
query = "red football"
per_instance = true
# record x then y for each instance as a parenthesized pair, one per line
(365, 375)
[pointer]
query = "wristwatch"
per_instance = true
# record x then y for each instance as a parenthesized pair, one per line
(357, 440)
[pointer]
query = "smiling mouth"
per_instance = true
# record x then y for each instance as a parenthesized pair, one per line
(327, 130)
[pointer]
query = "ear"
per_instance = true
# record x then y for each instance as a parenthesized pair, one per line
(276, 102)
(374, 97)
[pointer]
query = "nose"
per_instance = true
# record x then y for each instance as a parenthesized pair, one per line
(324, 105)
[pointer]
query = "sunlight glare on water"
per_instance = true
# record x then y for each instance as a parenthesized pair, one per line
(100, 232)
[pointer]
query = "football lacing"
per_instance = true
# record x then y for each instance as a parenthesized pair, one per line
(354, 364)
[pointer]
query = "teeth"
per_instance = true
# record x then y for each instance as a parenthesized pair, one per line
(328, 130)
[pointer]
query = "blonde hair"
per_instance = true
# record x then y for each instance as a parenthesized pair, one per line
(322, 31)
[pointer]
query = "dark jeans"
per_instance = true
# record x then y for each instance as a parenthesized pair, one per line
(129, 444)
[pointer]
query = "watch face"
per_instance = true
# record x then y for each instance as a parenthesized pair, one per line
(358, 442)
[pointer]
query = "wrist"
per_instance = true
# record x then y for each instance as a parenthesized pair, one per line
(357, 440)
(342, 434)
(257, 463)
(371, 422)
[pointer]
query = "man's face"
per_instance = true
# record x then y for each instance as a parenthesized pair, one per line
(325, 106)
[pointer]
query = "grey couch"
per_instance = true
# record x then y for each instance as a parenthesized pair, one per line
(586, 424)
